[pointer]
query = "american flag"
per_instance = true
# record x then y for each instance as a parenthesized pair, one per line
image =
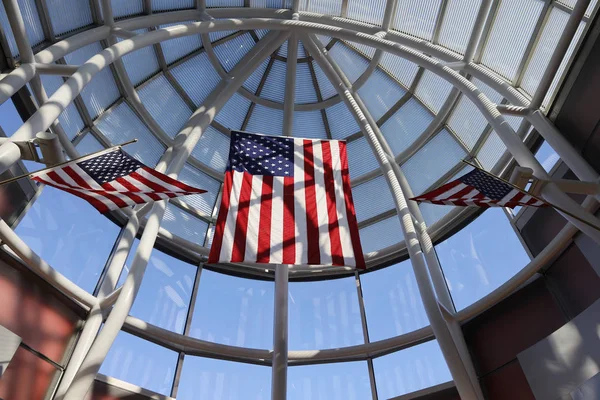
(287, 201)
(481, 189)
(113, 179)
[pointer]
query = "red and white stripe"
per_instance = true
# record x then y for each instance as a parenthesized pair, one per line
(141, 186)
(307, 219)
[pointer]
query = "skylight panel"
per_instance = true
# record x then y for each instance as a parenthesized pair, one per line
(360, 158)
(432, 161)
(457, 24)
(167, 5)
(571, 4)
(186, 74)
(327, 7)
(120, 124)
(232, 51)
(433, 90)
(266, 120)
(325, 86)
(158, 96)
(212, 149)
(68, 15)
(416, 17)
(381, 234)
(309, 124)
(372, 198)
(88, 144)
(33, 26)
(141, 64)
(305, 89)
(174, 49)
(274, 88)
(205, 202)
(266, 3)
(401, 69)
(126, 8)
(233, 112)
(493, 148)
(341, 122)
(380, 93)
(184, 225)
(224, 3)
(370, 12)
(253, 80)
(512, 29)
(350, 62)
(69, 119)
(404, 127)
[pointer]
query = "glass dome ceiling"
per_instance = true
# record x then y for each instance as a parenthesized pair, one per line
(429, 126)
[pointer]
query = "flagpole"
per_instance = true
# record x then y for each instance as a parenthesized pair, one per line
(16, 178)
(562, 210)
(280, 334)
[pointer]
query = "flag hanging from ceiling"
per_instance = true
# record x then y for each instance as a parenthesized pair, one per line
(113, 179)
(287, 201)
(481, 189)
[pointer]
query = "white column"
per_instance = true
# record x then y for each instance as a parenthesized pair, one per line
(290, 85)
(441, 331)
(280, 335)
(184, 144)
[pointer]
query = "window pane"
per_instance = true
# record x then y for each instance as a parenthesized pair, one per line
(141, 363)
(205, 378)
(409, 370)
(336, 381)
(70, 235)
(234, 311)
(392, 301)
(166, 290)
(324, 314)
(481, 257)
(547, 156)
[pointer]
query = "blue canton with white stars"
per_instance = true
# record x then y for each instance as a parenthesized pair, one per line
(261, 155)
(110, 166)
(489, 186)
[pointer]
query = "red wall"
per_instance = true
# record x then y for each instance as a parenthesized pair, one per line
(45, 322)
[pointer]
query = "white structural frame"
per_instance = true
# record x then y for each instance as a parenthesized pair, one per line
(92, 349)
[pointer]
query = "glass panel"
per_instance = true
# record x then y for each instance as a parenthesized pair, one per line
(120, 124)
(184, 225)
(547, 156)
(370, 12)
(89, 144)
(254, 79)
(381, 234)
(186, 74)
(212, 149)
(347, 380)
(400, 68)
(205, 202)
(406, 125)
(360, 158)
(274, 87)
(325, 86)
(157, 96)
(432, 161)
(392, 301)
(69, 119)
(266, 120)
(481, 257)
(70, 235)
(124, 8)
(416, 17)
(330, 7)
(305, 89)
(513, 26)
(67, 15)
(175, 49)
(380, 93)
(141, 363)
(433, 91)
(33, 26)
(308, 124)
(232, 51)
(141, 64)
(350, 62)
(341, 122)
(205, 378)
(324, 314)
(491, 151)
(10, 120)
(244, 316)
(406, 371)
(372, 198)
(233, 113)
(457, 24)
(165, 293)
(102, 91)
(224, 3)
(166, 5)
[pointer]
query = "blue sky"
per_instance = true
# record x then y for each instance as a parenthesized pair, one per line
(76, 240)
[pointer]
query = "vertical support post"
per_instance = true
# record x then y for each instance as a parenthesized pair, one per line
(185, 141)
(290, 85)
(363, 319)
(460, 375)
(280, 334)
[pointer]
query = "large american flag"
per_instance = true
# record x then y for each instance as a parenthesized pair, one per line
(287, 201)
(113, 179)
(481, 189)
